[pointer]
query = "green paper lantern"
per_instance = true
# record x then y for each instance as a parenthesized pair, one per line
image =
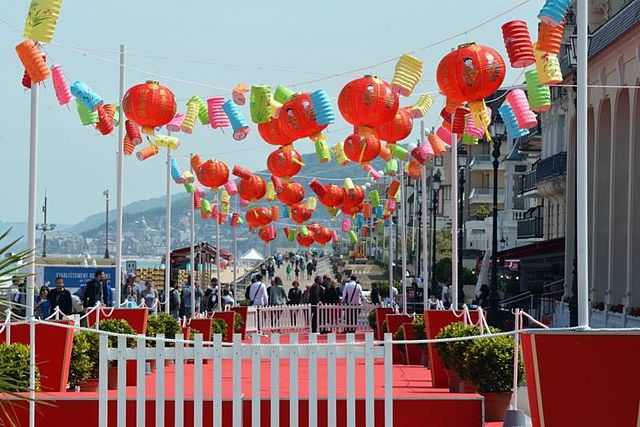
(322, 151)
(189, 187)
(291, 236)
(539, 95)
(469, 140)
(87, 117)
(398, 152)
(260, 104)
(283, 94)
(374, 196)
(203, 110)
(353, 237)
(304, 231)
(391, 167)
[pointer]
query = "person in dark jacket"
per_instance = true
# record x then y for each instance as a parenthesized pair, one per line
(96, 290)
(315, 296)
(331, 294)
(295, 294)
(60, 297)
(375, 293)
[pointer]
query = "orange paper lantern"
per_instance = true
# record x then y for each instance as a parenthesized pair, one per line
(368, 101)
(414, 169)
(291, 193)
(322, 235)
(330, 195)
(273, 134)
(252, 189)
(284, 162)
(550, 38)
(396, 129)
(360, 148)
(149, 104)
(300, 213)
(297, 118)
(518, 44)
(33, 61)
(212, 173)
(304, 240)
(259, 216)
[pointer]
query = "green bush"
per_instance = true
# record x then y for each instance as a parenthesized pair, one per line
(419, 330)
(399, 336)
(14, 368)
(488, 363)
(118, 326)
(162, 323)
(219, 326)
(453, 353)
(238, 323)
(82, 366)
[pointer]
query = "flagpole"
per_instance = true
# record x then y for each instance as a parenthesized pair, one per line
(119, 180)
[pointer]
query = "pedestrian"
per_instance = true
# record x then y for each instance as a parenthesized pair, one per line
(375, 293)
(128, 298)
(276, 293)
(295, 294)
(309, 269)
(210, 300)
(61, 298)
(297, 271)
(331, 293)
(174, 301)
(42, 303)
(446, 296)
(150, 297)
(185, 299)
(288, 271)
(263, 269)
(258, 292)
(352, 296)
(227, 299)
(96, 290)
(316, 293)
(271, 270)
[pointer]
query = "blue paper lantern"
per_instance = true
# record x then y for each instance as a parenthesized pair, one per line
(553, 12)
(238, 123)
(359, 220)
(86, 95)
(378, 211)
(322, 107)
(511, 123)
(176, 173)
(285, 213)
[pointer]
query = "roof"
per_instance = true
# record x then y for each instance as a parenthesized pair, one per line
(203, 249)
(533, 249)
(627, 18)
(252, 255)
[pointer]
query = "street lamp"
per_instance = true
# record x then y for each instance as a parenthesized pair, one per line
(462, 163)
(435, 185)
(105, 193)
(498, 130)
(45, 226)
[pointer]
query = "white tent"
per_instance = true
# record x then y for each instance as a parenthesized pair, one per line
(252, 255)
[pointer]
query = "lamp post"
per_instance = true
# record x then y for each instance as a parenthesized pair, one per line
(105, 193)
(435, 185)
(45, 226)
(462, 163)
(497, 129)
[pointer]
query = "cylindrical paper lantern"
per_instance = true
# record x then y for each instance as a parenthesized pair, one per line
(548, 66)
(112, 112)
(550, 38)
(459, 120)
(445, 135)
(33, 61)
(237, 95)
(471, 129)
(146, 152)
(539, 95)
(312, 203)
(105, 124)
(231, 187)
(133, 133)
(338, 151)
(348, 185)
(283, 94)
(42, 20)
(203, 112)
(481, 115)
(259, 103)
(423, 153)
(60, 85)
(393, 188)
(399, 152)
(553, 12)
(438, 145)
(128, 147)
(353, 237)
(26, 80)
(385, 152)
(205, 209)
(366, 210)
(374, 197)
(84, 93)
(334, 236)
(391, 167)
(346, 225)
(175, 125)
(189, 120)
(166, 141)
(518, 101)
(322, 151)
(176, 174)
(511, 122)
(270, 195)
(87, 117)
(238, 123)
(322, 107)
(372, 172)
(414, 169)
(422, 106)
(217, 116)
(469, 140)
(518, 44)
(407, 74)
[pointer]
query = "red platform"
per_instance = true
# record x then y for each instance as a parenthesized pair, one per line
(416, 402)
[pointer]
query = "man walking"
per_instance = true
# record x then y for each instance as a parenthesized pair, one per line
(352, 295)
(258, 292)
(96, 290)
(316, 293)
(61, 298)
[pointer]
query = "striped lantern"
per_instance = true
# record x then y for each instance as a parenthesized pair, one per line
(217, 116)
(86, 95)
(525, 117)
(42, 19)
(444, 135)
(33, 61)
(550, 38)
(128, 147)
(338, 151)
(87, 117)
(391, 167)
(548, 66)
(539, 95)
(459, 120)
(175, 125)
(238, 122)
(437, 144)
(105, 123)
(260, 103)
(518, 44)
(323, 153)
(422, 153)
(60, 85)
(189, 121)
(322, 107)
(283, 94)
(553, 12)
(406, 75)
(133, 133)
(422, 106)
(511, 122)
(203, 113)
(146, 152)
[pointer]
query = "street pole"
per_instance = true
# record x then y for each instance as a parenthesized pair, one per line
(433, 238)
(235, 257)
(454, 220)
(217, 220)
(425, 223)
(119, 180)
(403, 237)
(192, 249)
(461, 183)
(391, 259)
(493, 294)
(581, 164)
(167, 234)
(106, 227)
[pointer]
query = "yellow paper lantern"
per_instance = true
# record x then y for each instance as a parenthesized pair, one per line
(407, 74)
(224, 196)
(312, 203)
(548, 67)
(190, 118)
(348, 185)
(338, 151)
(270, 195)
(42, 19)
(422, 106)
(170, 142)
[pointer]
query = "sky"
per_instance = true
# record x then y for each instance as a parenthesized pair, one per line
(206, 48)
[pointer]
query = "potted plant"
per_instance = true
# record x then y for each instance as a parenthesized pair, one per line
(219, 326)
(489, 361)
(373, 323)
(119, 326)
(162, 323)
(453, 353)
(82, 368)
(15, 368)
(420, 333)
(238, 324)
(398, 335)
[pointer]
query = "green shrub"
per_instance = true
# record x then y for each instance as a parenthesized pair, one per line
(219, 326)
(419, 330)
(82, 366)
(488, 363)
(399, 336)
(238, 323)
(119, 326)
(453, 353)
(154, 327)
(162, 323)
(14, 368)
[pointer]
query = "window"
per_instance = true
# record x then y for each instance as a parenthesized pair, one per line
(446, 192)
(437, 161)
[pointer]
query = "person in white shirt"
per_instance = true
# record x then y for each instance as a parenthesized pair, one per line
(352, 292)
(258, 292)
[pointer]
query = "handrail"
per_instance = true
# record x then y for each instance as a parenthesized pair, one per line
(515, 298)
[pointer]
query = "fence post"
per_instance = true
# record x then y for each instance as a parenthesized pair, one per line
(331, 380)
(160, 380)
(255, 380)
(388, 380)
(141, 352)
(32, 371)
(293, 382)
(351, 380)
(275, 380)
(122, 382)
(516, 351)
(178, 401)
(237, 381)
(103, 364)
(197, 386)
(313, 381)
(217, 380)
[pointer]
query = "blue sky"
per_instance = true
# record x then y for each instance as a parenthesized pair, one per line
(293, 42)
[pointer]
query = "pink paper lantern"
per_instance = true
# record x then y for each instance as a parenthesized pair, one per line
(217, 117)
(244, 203)
(423, 153)
(371, 171)
(346, 225)
(334, 236)
(231, 187)
(176, 123)
(444, 134)
(471, 129)
(60, 85)
(520, 105)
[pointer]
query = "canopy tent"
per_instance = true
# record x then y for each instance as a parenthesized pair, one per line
(252, 255)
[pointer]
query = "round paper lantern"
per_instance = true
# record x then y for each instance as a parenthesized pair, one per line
(322, 236)
(252, 189)
(213, 173)
(298, 119)
(273, 134)
(360, 148)
(414, 169)
(350, 209)
(470, 73)
(267, 234)
(291, 193)
(353, 197)
(304, 240)
(300, 213)
(259, 216)
(149, 104)
(368, 101)
(330, 195)
(518, 44)
(284, 162)
(397, 128)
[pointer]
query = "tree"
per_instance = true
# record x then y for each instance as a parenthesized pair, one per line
(443, 244)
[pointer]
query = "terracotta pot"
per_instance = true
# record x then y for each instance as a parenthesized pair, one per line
(112, 378)
(89, 385)
(468, 387)
(454, 382)
(496, 405)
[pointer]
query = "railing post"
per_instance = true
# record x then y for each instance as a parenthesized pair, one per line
(103, 364)
(388, 380)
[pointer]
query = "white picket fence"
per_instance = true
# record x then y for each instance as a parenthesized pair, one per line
(339, 317)
(276, 352)
(284, 318)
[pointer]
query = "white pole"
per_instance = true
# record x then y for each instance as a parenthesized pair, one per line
(218, 254)
(454, 220)
(31, 244)
(235, 257)
(119, 178)
(167, 234)
(403, 238)
(192, 246)
(425, 226)
(581, 165)
(390, 245)
(516, 351)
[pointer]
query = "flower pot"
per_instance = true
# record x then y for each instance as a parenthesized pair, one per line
(112, 378)
(454, 382)
(468, 387)
(496, 405)
(89, 385)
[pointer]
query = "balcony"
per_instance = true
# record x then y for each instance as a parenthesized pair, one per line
(527, 183)
(484, 195)
(551, 167)
(483, 162)
(532, 226)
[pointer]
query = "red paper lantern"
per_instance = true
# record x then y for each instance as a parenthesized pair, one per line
(459, 120)
(273, 134)
(212, 173)
(297, 118)
(322, 235)
(267, 234)
(284, 162)
(353, 197)
(470, 73)
(329, 195)
(361, 148)
(304, 240)
(259, 216)
(291, 193)
(252, 189)
(350, 209)
(414, 169)
(300, 213)
(397, 128)
(149, 104)
(368, 101)
(518, 44)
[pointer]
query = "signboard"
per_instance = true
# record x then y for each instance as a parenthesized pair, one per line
(75, 276)
(131, 267)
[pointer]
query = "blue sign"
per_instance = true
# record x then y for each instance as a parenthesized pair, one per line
(75, 276)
